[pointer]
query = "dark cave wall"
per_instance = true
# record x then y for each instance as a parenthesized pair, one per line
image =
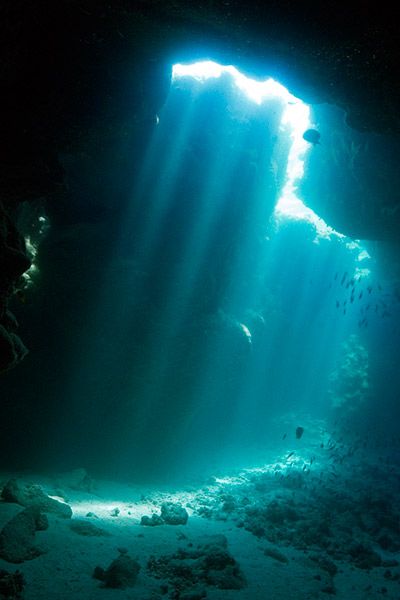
(79, 77)
(351, 178)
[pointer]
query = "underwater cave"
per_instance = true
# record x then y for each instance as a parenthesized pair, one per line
(199, 302)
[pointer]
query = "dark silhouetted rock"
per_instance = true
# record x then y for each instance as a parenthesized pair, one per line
(11, 585)
(121, 573)
(12, 350)
(152, 521)
(17, 536)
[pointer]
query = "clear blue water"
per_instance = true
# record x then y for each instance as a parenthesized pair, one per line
(177, 326)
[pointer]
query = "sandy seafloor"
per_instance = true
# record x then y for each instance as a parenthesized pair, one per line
(314, 513)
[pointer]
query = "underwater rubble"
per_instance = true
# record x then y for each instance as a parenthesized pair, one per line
(206, 562)
(326, 528)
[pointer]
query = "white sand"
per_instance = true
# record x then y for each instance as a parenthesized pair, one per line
(65, 570)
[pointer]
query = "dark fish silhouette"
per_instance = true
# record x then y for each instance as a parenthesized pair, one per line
(312, 136)
(299, 432)
(284, 435)
(360, 295)
(343, 278)
(337, 303)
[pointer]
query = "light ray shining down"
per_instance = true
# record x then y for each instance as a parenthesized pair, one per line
(295, 120)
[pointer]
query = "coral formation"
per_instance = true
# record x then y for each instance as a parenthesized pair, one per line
(349, 382)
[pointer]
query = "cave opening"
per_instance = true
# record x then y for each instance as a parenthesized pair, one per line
(206, 350)
(215, 306)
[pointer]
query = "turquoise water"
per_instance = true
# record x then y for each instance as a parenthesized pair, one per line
(180, 326)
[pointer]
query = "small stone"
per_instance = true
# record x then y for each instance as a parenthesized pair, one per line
(152, 521)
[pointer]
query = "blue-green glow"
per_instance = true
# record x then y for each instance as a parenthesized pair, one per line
(295, 120)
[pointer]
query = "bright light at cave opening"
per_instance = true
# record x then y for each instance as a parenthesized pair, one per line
(295, 120)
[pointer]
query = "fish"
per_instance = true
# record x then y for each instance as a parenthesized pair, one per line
(343, 278)
(360, 295)
(312, 136)
(299, 432)
(337, 304)
(284, 436)
(369, 288)
(289, 455)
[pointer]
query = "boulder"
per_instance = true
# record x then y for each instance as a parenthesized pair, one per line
(121, 573)
(151, 521)
(17, 536)
(173, 514)
(31, 495)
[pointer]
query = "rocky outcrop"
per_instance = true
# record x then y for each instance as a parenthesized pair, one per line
(14, 261)
(30, 495)
(349, 382)
(171, 514)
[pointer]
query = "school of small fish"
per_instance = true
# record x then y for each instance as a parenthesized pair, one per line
(371, 299)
